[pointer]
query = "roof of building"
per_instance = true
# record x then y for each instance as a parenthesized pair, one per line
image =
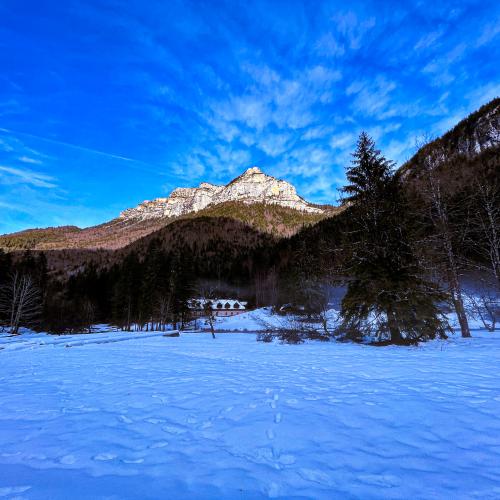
(216, 304)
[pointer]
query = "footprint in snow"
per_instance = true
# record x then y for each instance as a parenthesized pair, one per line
(173, 430)
(155, 421)
(273, 490)
(105, 457)
(314, 475)
(133, 461)
(286, 459)
(277, 418)
(7, 491)
(383, 480)
(67, 460)
(159, 444)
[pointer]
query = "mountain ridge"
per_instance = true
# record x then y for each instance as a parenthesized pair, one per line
(252, 186)
(476, 136)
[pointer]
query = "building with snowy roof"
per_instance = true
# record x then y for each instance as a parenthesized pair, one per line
(221, 307)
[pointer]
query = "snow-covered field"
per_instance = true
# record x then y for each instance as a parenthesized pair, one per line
(151, 417)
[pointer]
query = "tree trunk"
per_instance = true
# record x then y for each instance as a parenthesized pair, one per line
(458, 303)
(456, 294)
(396, 337)
(211, 323)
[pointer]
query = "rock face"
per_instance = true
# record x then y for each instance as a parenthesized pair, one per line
(473, 137)
(253, 186)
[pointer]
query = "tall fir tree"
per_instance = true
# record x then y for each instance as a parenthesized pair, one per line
(388, 295)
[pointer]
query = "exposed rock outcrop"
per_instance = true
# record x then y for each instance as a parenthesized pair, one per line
(476, 136)
(253, 186)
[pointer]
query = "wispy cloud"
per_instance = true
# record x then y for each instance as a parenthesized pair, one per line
(488, 34)
(132, 163)
(11, 175)
(353, 28)
(11, 107)
(372, 96)
(27, 159)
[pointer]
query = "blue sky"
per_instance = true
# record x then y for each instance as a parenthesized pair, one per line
(106, 103)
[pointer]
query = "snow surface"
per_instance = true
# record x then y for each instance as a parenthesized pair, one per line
(251, 321)
(138, 415)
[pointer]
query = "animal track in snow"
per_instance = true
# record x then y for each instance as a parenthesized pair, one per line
(159, 444)
(12, 490)
(171, 429)
(133, 461)
(67, 460)
(104, 457)
(383, 480)
(274, 401)
(286, 459)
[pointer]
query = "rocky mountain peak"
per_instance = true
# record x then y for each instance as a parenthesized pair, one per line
(249, 172)
(207, 185)
(253, 186)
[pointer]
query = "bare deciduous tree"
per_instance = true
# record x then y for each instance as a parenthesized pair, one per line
(487, 223)
(483, 305)
(88, 314)
(20, 302)
(208, 296)
(318, 301)
(163, 310)
(445, 236)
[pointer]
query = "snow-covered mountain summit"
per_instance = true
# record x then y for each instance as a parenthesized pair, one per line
(253, 186)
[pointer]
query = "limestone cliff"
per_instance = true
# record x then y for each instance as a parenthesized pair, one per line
(253, 186)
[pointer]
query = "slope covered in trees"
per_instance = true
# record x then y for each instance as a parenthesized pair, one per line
(272, 219)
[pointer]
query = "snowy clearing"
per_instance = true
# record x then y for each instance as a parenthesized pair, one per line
(146, 416)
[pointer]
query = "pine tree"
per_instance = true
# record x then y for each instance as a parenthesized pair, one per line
(387, 295)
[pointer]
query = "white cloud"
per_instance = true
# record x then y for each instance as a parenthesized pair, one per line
(327, 45)
(343, 140)
(272, 99)
(372, 97)
(11, 107)
(441, 69)
(317, 132)
(489, 32)
(28, 159)
(352, 28)
(429, 39)
(11, 175)
(274, 144)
